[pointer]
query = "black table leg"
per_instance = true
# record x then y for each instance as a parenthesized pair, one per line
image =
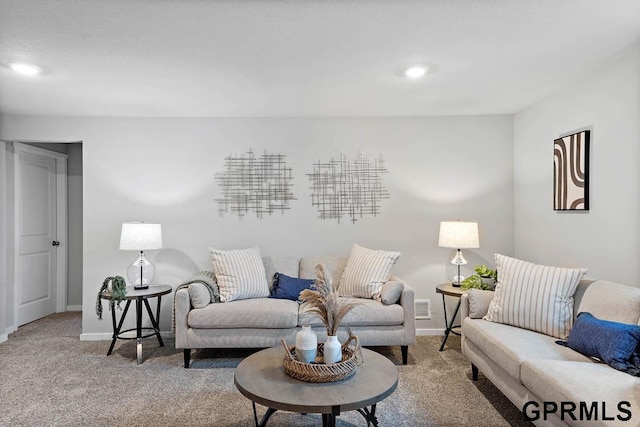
(369, 415)
(449, 325)
(116, 330)
(265, 418)
(328, 420)
(139, 330)
(155, 322)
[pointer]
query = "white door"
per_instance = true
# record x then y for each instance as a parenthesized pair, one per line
(37, 234)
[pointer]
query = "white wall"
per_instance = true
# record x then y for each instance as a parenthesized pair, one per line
(162, 170)
(74, 227)
(606, 239)
(3, 242)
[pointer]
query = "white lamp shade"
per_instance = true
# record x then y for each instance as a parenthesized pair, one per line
(459, 235)
(140, 236)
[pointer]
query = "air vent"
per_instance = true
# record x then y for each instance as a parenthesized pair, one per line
(423, 308)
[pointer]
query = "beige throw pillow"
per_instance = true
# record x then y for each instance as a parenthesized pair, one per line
(365, 273)
(535, 297)
(199, 295)
(240, 274)
(479, 301)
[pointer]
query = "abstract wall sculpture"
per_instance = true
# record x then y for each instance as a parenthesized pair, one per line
(348, 187)
(259, 185)
(571, 172)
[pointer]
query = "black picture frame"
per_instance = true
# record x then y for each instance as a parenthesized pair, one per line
(571, 172)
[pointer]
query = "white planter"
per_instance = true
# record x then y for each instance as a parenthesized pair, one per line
(332, 350)
(306, 345)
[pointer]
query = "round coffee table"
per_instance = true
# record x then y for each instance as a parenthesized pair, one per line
(261, 378)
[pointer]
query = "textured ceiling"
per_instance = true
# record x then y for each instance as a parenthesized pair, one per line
(198, 58)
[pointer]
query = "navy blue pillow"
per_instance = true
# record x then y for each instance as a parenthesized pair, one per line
(285, 287)
(612, 342)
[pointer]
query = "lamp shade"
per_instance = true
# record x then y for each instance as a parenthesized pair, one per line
(459, 235)
(140, 236)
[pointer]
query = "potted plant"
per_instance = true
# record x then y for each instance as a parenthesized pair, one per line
(118, 288)
(484, 278)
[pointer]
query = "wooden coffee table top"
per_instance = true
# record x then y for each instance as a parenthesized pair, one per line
(261, 378)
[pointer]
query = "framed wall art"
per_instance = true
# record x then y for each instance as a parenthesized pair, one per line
(571, 172)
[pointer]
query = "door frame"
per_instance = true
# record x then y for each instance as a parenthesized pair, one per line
(61, 223)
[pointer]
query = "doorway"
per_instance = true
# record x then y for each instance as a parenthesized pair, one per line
(40, 233)
(68, 296)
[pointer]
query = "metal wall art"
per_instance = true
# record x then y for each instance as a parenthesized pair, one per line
(259, 185)
(348, 187)
(571, 172)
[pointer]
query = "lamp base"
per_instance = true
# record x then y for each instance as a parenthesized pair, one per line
(457, 281)
(141, 272)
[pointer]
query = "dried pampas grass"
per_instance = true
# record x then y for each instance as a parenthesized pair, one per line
(324, 301)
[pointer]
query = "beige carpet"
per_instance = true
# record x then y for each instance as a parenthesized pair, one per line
(49, 377)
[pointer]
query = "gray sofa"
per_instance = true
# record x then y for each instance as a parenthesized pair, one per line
(262, 322)
(531, 369)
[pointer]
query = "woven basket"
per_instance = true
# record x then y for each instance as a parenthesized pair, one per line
(319, 372)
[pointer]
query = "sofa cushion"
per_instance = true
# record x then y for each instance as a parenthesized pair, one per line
(595, 384)
(366, 271)
(248, 313)
(608, 301)
(509, 346)
(479, 301)
(535, 297)
(286, 287)
(391, 292)
(368, 312)
(286, 265)
(612, 342)
(240, 274)
(332, 264)
(199, 295)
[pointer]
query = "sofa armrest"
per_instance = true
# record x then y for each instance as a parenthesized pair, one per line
(182, 308)
(407, 301)
(464, 306)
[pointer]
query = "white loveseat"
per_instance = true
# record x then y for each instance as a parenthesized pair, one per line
(262, 322)
(536, 373)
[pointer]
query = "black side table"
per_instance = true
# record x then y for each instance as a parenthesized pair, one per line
(447, 289)
(140, 296)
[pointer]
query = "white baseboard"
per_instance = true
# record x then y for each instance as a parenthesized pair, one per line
(74, 308)
(429, 332)
(107, 336)
(4, 337)
(11, 329)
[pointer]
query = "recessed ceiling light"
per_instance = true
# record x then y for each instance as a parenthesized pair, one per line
(415, 72)
(26, 69)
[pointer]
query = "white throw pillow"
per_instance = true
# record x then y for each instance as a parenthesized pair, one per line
(365, 273)
(535, 297)
(240, 274)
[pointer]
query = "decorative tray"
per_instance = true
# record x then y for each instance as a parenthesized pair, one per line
(319, 372)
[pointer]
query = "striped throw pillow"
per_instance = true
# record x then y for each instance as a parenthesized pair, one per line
(240, 274)
(535, 297)
(365, 273)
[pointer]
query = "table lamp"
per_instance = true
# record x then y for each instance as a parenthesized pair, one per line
(458, 235)
(140, 236)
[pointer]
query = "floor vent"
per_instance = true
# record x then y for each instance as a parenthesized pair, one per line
(423, 308)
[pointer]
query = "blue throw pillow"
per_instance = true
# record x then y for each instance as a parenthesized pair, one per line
(612, 342)
(285, 287)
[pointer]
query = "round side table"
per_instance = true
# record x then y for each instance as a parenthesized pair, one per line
(447, 289)
(141, 296)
